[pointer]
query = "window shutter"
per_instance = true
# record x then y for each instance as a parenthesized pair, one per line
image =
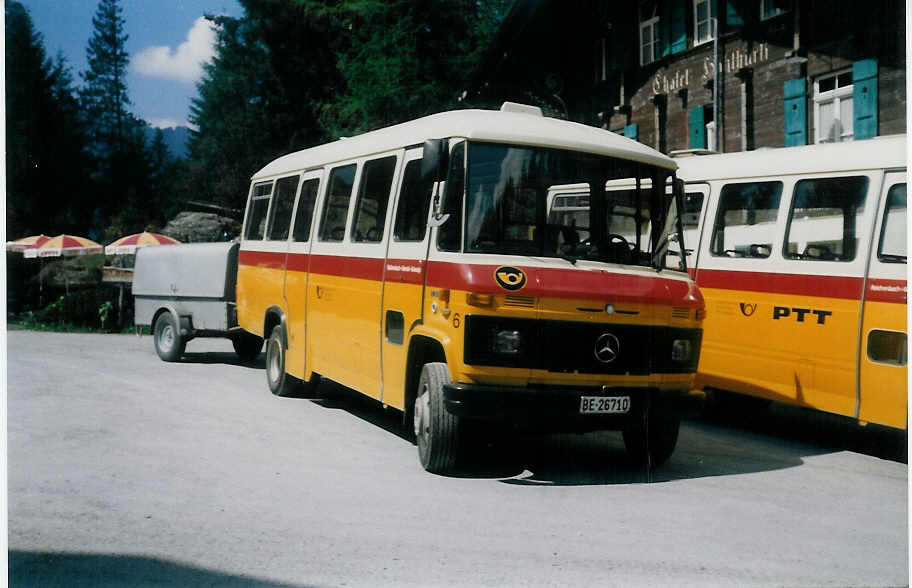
(864, 98)
(795, 94)
(676, 12)
(697, 123)
(732, 18)
(632, 131)
(663, 46)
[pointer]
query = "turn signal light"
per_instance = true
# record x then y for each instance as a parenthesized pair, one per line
(701, 314)
(483, 300)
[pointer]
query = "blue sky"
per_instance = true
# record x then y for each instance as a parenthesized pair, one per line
(166, 43)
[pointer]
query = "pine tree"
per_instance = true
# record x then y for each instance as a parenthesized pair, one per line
(117, 137)
(104, 95)
(46, 157)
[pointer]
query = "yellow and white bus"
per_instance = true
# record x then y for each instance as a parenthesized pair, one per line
(800, 254)
(419, 265)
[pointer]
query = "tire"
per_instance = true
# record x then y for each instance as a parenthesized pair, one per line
(652, 445)
(279, 381)
(169, 344)
(437, 431)
(247, 346)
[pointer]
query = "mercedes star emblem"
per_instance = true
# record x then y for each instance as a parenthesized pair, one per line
(607, 348)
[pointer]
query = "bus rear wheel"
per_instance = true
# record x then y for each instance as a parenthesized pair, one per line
(651, 445)
(280, 382)
(436, 430)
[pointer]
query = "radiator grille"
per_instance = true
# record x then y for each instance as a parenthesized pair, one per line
(520, 301)
(680, 312)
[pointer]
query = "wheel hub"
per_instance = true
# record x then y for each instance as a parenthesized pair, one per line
(422, 408)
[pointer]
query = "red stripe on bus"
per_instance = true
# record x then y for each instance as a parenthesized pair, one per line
(881, 290)
(263, 259)
(364, 268)
(568, 283)
(804, 285)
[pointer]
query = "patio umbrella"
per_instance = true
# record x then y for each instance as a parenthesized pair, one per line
(131, 243)
(26, 242)
(64, 245)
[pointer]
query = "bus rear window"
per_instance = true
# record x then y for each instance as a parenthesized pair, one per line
(256, 211)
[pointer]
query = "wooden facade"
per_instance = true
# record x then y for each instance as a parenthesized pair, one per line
(773, 60)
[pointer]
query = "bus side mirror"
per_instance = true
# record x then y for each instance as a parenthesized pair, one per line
(435, 159)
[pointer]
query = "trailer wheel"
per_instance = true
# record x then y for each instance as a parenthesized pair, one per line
(247, 346)
(169, 344)
(652, 444)
(436, 430)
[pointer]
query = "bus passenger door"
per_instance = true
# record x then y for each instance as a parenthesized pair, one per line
(882, 385)
(297, 266)
(403, 286)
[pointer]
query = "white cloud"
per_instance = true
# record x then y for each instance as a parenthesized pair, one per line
(185, 64)
(163, 123)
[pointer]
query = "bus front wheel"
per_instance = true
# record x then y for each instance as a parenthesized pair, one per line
(436, 430)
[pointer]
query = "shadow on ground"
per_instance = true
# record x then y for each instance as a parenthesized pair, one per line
(224, 358)
(705, 449)
(77, 570)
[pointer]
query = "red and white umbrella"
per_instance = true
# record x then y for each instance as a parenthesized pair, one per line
(131, 243)
(64, 245)
(26, 242)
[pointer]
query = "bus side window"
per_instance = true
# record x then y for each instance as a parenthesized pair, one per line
(414, 202)
(256, 211)
(892, 247)
(745, 223)
(338, 197)
(824, 218)
(449, 237)
(282, 205)
(373, 200)
(304, 215)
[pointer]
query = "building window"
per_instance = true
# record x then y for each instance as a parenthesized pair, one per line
(770, 9)
(649, 37)
(704, 18)
(833, 115)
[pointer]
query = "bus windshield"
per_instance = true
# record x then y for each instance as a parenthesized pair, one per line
(537, 201)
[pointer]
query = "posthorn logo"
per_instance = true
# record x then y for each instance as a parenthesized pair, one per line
(748, 309)
(510, 278)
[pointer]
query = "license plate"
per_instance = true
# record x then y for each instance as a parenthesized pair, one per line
(604, 404)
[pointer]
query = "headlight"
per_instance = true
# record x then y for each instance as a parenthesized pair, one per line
(681, 350)
(507, 342)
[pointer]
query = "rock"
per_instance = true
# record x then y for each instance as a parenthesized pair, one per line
(202, 227)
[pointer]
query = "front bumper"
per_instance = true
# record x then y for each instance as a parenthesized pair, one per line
(558, 407)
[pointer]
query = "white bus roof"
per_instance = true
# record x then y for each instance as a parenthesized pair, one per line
(494, 126)
(888, 152)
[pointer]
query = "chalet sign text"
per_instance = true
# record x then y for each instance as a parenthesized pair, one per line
(735, 59)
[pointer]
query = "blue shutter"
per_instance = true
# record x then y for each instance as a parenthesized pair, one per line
(632, 131)
(697, 128)
(677, 16)
(732, 18)
(864, 98)
(795, 94)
